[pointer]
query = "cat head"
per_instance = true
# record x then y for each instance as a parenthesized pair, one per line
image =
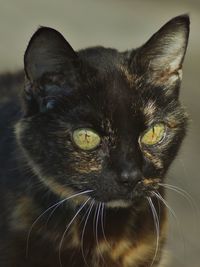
(101, 121)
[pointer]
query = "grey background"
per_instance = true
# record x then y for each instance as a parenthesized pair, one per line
(124, 24)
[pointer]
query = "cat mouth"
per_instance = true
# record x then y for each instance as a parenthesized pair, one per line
(133, 197)
(143, 189)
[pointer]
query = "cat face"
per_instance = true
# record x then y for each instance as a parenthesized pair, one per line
(101, 120)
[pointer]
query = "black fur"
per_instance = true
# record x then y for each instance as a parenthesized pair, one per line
(119, 95)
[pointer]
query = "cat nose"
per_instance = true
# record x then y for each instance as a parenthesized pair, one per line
(130, 178)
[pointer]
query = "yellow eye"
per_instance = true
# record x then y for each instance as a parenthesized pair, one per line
(86, 139)
(153, 135)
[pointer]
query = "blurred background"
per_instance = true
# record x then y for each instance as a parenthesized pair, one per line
(125, 24)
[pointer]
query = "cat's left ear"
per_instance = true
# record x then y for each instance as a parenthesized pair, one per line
(162, 55)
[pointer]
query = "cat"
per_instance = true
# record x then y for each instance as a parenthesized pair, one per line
(85, 149)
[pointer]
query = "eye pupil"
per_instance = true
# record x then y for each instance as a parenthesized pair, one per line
(86, 139)
(153, 135)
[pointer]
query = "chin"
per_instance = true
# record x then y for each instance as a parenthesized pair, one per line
(118, 203)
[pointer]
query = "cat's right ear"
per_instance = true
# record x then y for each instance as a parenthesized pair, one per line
(48, 52)
(51, 68)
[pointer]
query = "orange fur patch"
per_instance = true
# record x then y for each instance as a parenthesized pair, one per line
(22, 214)
(129, 76)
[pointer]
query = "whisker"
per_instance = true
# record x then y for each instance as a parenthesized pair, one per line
(158, 195)
(158, 209)
(48, 209)
(84, 227)
(52, 212)
(102, 225)
(189, 198)
(97, 221)
(67, 228)
(183, 193)
(157, 228)
(95, 213)
(85, 214)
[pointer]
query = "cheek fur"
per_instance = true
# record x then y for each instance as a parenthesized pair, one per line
(155, 160)
(84, 162)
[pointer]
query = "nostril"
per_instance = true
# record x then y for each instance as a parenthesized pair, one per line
(130, 178)
(124, 176)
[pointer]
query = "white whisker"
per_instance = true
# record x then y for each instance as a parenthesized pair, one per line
(48, 209)
(157, 228)
(102, 224)
(83, 231)
(95, 213)
(158, 195)
(189, 198)
(52, 212)
(67, 228)
(96, 229)
(183, 193)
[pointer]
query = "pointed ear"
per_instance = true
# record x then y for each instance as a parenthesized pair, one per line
(47, 52)
(163, 54)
